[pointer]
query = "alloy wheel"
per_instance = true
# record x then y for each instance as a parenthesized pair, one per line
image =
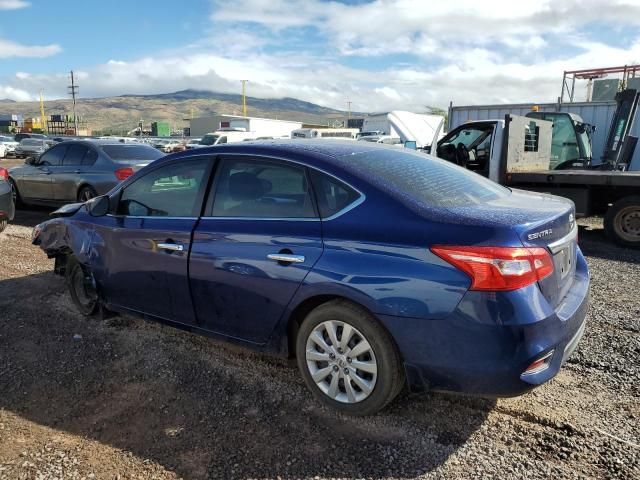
(341, 361)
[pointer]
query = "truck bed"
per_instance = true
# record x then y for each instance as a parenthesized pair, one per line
(576, 177)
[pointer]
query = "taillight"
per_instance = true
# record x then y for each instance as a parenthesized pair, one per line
(498, 268)
(123, 173)
(4, 173)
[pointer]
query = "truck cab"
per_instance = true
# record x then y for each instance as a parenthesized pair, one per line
(477, 145)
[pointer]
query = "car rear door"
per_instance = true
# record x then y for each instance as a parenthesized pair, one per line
(65, 178)
(36, 179)
(254, 246)
(142, 249)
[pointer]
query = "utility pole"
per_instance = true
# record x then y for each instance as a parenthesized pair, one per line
(244, 98)
(42, 117)
(73, 91)
(348, 112)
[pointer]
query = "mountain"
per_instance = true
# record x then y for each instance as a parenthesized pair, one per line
(122, 113)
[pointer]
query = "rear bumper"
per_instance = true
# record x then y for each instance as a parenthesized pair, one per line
(484, 347)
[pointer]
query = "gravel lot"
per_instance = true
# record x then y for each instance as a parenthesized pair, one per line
(124, 398)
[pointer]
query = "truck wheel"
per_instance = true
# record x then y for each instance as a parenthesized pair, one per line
(348, 360)
(622, 222)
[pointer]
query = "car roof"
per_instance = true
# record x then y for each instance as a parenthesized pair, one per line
(324, 148)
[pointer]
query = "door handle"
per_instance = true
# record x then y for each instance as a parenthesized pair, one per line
(172, 247)
(46, 171)
(77, 171)
(286, 258)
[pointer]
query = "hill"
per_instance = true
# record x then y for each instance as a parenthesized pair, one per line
(122, 113)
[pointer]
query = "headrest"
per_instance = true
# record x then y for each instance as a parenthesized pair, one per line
(245, 186)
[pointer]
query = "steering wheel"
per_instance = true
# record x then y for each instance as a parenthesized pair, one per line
(577, 163)
(462, 155)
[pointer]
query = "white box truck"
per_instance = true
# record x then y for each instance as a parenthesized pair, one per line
(258, 127)
(407, 126)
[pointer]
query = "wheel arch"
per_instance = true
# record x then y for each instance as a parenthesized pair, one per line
(82, 185)
(306, 306)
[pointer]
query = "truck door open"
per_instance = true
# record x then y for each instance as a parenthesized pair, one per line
(526, 145)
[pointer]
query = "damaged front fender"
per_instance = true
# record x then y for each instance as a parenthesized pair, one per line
(60, 237)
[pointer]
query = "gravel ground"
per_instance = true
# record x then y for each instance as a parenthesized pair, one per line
(124, 398)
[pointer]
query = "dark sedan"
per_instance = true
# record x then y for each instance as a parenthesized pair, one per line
(78, 170)
(375, 266)
(7, 206)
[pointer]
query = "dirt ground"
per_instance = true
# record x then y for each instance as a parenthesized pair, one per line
(124, 398)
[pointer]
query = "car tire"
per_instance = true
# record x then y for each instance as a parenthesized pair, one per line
(87, 193)
(622, 222)
(3, 224)
(17, 199)
(347, 388)
(82, 288)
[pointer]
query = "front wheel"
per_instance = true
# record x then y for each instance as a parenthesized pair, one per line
(17, 199)
(348, 360)
(622, 222)
(87, 193)
(82, 288)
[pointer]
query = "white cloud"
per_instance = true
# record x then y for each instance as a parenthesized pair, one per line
(13, 4)
(16, 94)
(464, 51)
(10, 49)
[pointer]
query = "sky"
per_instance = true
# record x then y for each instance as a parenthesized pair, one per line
(377, 54)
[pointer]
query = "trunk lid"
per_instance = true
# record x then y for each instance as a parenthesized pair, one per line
(538, 220)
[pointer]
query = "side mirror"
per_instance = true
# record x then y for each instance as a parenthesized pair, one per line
(31, 161)
(98, 206)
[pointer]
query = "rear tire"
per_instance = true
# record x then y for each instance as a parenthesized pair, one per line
(339, 383)
(82, 288)
(87, 193)
(622, 222)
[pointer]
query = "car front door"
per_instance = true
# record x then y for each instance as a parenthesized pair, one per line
(36, 181)
(254, 246)
(65, 178)
(142, 248)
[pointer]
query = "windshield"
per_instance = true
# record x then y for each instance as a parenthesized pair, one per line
(416, 178)
(209, 139)
(31, 142)
(129, 152)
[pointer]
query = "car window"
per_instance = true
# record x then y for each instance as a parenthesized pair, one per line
(53, 157)
(90, 157)
(262, 189)
(333, 196)
(74, 155)
(417, 179)
(170, 191)
(126, 153)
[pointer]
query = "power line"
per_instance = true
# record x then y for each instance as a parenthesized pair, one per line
(73, 91)
(244, 98)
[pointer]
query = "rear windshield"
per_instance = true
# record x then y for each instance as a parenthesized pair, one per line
(209, 139)
(131, 152)
(420, 178)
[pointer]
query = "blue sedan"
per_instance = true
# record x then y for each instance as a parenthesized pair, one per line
(375, 267)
